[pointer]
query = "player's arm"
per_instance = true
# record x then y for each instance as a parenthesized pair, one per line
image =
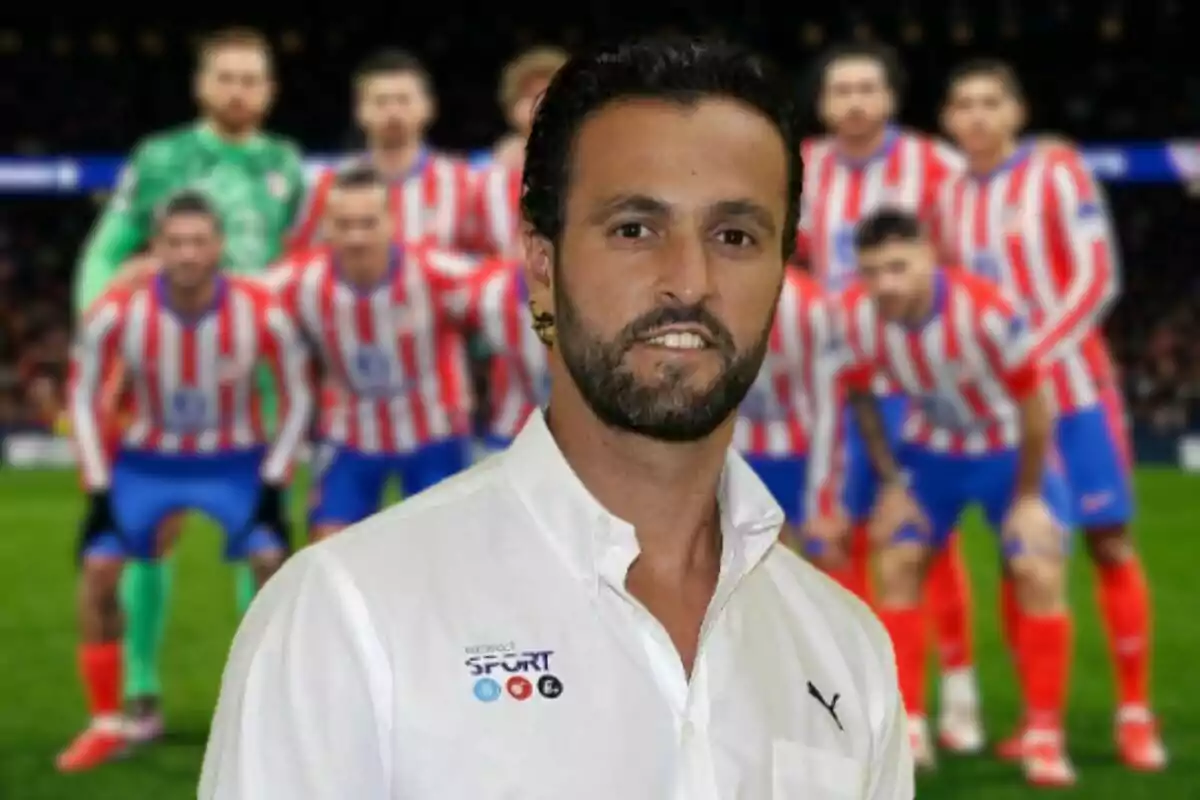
(825, 389)
(1094, 283)
(289, 359)
(93, 359)
(293, 173)
(454, 277)
(1009, 349)
(306, 218)
(280, 730)
(122, 230)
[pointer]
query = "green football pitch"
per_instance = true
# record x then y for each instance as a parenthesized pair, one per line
(42, 706)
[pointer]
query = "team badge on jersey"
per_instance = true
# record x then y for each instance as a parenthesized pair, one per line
(277, 185)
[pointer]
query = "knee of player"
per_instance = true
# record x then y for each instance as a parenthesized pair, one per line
(101, 579)
(1109, 545)
(901, 565)
(1040, 577)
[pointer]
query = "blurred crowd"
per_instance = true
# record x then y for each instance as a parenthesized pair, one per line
(1096, 70)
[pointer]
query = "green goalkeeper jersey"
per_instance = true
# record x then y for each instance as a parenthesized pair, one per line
(257, 187)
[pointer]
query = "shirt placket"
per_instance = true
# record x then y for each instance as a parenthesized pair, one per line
(690, 701)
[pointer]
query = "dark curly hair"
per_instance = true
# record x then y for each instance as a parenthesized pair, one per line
(678, 69)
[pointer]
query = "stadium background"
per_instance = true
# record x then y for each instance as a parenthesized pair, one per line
(1120, 77)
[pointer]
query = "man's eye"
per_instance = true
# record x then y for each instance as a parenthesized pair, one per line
(630, 230)
(736, 238)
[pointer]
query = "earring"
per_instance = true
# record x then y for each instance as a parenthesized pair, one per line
(543, 324)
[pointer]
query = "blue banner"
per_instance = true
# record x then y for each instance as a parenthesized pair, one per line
(1138, 162)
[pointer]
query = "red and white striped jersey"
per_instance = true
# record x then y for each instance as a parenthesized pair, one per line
(393, 356)
(193, 383)
(520, 379)
(967, 368)
(778, 416)
(1039, 227)
(906, 173)
(497, 211)
(431, 205)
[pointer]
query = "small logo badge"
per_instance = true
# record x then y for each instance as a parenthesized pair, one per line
(487, 690)
(831, 706)
(549, 687)
(277, 185)
(520, 688)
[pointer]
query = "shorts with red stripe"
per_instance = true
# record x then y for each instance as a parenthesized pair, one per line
(1094, 446)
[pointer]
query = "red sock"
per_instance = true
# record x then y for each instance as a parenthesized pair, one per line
(860, 563)
(100, 666)
(906, 626)
(1125, 608)
(1010, 613)
(949, 599)
(1045, 646)
(1010, 629)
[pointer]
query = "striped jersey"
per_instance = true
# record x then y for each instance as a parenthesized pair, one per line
(1039, 227)
(967, 368)
(393, 355)
(497, 212)
(499, 309)
(778, 416)
(907, 173)
(193, 383)
(431, 205)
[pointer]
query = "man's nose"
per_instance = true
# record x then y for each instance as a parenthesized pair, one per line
(687, 269)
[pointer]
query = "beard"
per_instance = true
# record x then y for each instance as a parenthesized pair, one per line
(668, 409)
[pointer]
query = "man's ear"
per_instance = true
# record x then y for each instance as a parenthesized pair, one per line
(539, 279)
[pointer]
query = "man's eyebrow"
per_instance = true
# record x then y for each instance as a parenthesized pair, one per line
(623, 203)
(749, 209)
(645, 204)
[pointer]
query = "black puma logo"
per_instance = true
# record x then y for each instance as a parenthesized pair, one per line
(831, 706)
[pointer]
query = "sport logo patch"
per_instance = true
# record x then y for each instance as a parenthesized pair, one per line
(500, 669)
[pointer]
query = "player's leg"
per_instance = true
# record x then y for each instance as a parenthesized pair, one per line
(433, 463)
(1037, 562)
(126, 528)
(901, 564)
(145, 591)
(1096, 455)
(347, 487)
(948, 601)
(858, 496)
(784, 479)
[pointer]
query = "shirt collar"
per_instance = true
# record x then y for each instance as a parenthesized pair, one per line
(599, 546)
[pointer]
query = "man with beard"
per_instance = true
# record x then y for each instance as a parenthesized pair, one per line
(604, 609)
(255, 181)
(429, 193)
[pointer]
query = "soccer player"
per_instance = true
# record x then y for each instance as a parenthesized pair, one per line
(866, 162)
(498, 309)
(522, 83)
(191, 341)
(1033, 219)
(429, 194)
(978, 431)
(385, 322)
(777, 418)
(255, 179)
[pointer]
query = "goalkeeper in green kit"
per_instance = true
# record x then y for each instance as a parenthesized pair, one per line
(256, 182)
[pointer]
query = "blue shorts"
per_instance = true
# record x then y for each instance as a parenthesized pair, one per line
(861, 481)
(945, 485)
(149, 487)
(348, 486)
(784, 477)
(1095, 454)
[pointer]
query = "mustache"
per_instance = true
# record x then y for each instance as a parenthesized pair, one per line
(660, 317)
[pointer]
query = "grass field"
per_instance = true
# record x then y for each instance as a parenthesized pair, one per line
(43, 707)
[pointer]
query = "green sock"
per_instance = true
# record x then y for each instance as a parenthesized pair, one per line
(244, 585)
(145, 587)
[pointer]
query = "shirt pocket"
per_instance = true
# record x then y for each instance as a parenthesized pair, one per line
(802, 772)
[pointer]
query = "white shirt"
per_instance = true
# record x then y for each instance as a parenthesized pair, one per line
(477, 641)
